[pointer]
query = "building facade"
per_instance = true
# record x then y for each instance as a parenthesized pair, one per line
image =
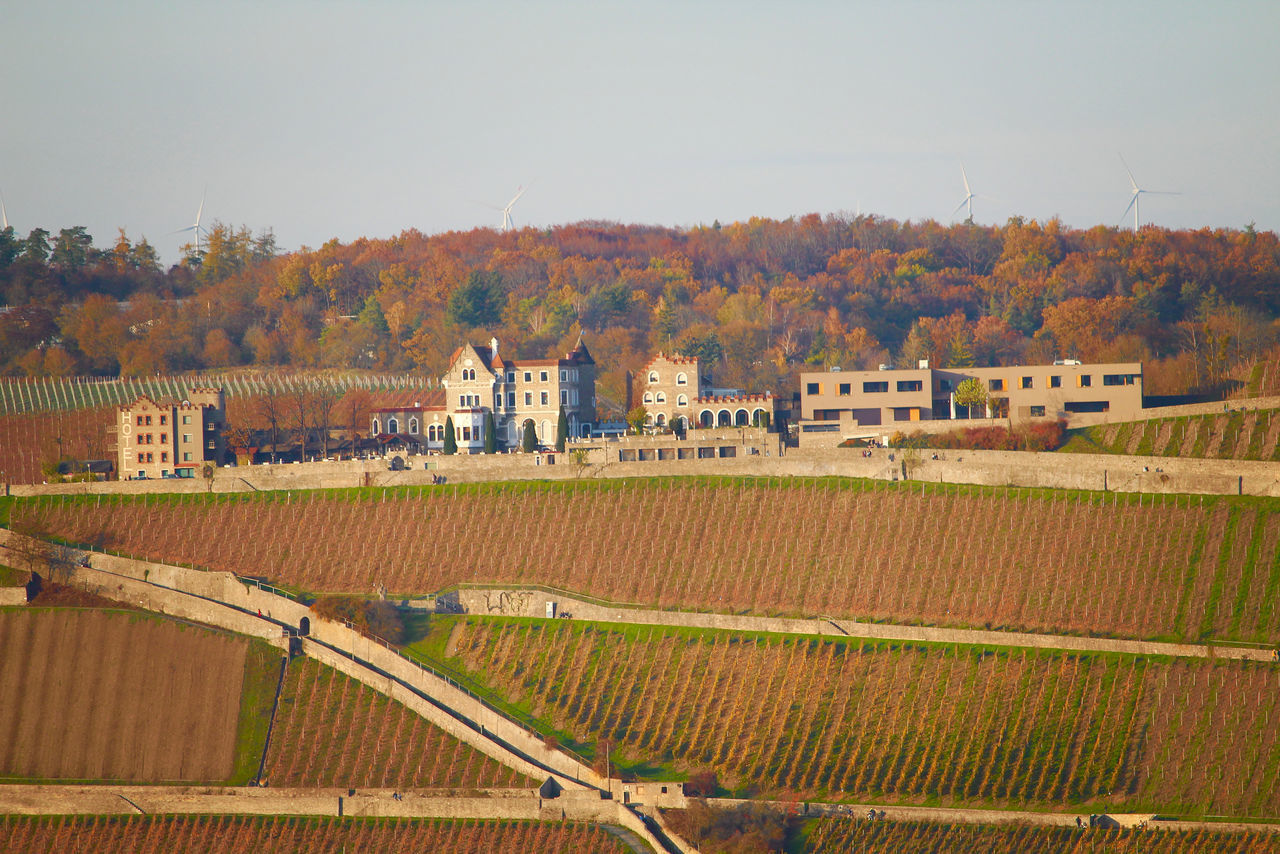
(1067, 390)
(480, 381)
(170, 438)
(678, 394)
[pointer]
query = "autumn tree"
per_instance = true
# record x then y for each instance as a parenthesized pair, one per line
(971, 394)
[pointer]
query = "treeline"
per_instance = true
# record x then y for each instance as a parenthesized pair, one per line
(761, 300)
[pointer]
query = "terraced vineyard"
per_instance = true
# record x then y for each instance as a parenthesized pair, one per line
(1168, 567)
(837, 836)
(1238, 435)
(44, 419)
(333, 731)
(858, 720)
(281, 835)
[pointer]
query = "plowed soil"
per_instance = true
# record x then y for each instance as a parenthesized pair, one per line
(102, 695)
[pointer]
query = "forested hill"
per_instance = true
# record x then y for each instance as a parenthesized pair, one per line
(762, 299)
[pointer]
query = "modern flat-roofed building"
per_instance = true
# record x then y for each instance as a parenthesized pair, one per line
(157, 439)
(869, 401)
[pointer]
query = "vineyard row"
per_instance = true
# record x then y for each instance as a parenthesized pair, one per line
(852, 720)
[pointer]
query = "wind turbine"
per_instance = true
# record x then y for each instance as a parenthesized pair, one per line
(1138, 191)
(507, 223)
(969, 196)
(196, 226)
(4, 214)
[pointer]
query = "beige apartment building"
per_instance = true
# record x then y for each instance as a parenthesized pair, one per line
(170, 438)
(516, 391)
(677, 393)
(860, 402)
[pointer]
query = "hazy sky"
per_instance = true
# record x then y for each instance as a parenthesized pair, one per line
(341, 119)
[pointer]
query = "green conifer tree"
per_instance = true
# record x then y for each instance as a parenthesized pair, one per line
(529, 441)
(562, 431)
(450, 437)
(490, 434)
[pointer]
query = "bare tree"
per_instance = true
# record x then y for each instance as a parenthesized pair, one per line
(324, 403)
(270, 409)
(297, 406)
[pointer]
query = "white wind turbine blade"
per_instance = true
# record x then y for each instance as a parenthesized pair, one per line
(520, 191)
(4, 213)
(1132, 201)
(1132, 181)
(967, 190)
(960, 206)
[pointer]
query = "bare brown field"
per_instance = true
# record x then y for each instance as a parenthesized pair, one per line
(1139, 566)
(333, 731)
(102, 695)
(283, 835)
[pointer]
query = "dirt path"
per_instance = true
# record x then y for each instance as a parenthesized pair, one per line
(473, 601)
(975, 816)
(493, 804)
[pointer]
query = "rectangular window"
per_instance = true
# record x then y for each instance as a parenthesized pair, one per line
(186, 419)
(546, 398)
(564, 376)
(466, 434)
(163, 418)
(149, 441)
(164, 438)
(846, 389)
(542, 375)
(1084, 381)
(910, 385)
(995, 385)
(1118, 379)
(1055, 381)
(139, 420)
(813, 388)
(528, 376)
(142, 458)
(1025, 382)
(528, 398)
(945, 385)
(186, 437)
(164, 457)
(150, 458)
(1037, 412)
(511, 400)
(875, 388)
(148, 420)
(186, 456)
(462, 401)
(564, 397)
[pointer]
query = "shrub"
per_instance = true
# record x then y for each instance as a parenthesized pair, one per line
(377, 618)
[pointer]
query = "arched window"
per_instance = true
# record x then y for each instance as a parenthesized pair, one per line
(653, 377)
(393, 425)
(661, 397)
(546, 434)
(740, 418)
(724, 419)
(706, 418)
(682, 400)
(648, 397)
(377, 427)
(682, 379)
(661, 420)
(413, 426)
